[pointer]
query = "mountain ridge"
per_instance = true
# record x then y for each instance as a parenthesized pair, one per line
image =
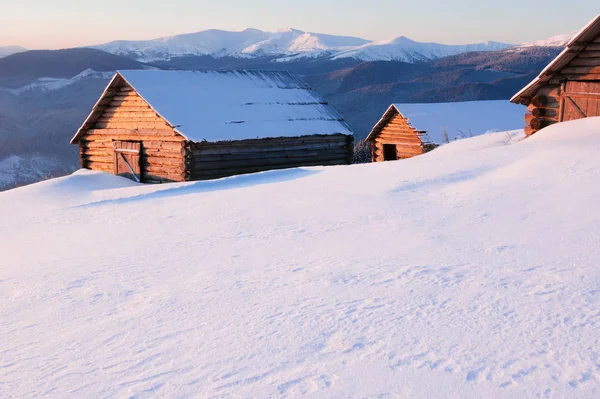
(286, 45)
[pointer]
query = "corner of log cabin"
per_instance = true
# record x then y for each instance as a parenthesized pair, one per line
(122, 115)
(569, 88)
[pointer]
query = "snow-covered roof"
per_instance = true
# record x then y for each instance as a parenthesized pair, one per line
(457, 119)
(578, 43)
(234, 105)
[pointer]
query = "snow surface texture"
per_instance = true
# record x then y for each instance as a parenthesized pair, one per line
(287, 45)
(236, 105)
(468, 272)
(463, 119)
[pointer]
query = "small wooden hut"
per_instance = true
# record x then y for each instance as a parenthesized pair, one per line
(393, 138)
(569, 87)
(165, 126)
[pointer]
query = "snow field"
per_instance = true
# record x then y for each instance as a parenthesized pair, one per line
(470, 271)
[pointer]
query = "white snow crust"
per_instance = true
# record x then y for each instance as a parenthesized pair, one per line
(468, 272)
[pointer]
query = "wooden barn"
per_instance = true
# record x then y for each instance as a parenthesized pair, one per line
(394, 137)
(569, 87)
(166, 126)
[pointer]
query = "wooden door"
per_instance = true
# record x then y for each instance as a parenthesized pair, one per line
(128, 160)
(581, 99)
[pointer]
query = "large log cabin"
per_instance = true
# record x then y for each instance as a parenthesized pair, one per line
(171, 126)
(394, 137)
(569, 87)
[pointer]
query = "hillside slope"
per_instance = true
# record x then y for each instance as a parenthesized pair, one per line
(466, 272)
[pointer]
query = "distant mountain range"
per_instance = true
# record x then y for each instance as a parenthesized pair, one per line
(286, 45)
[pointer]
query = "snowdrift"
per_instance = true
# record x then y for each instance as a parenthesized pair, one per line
(471, 271)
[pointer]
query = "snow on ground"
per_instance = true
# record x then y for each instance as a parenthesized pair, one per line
(471, 271)
(463, 119)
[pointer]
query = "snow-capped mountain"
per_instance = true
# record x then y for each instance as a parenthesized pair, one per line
(5, 51)
(554, 41)
(219, 43)
(407, 50)
(287, 44)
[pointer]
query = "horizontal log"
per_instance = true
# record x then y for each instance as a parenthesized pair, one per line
(269, 155)
(99, 158)
(139, 137)
(101, 152)
(553, 105)
(163, 161)
(157, 179)
(529, 117)
(581, 70)
(138, 102)
(165, 132)
(131, 125)
(125, 89)
(390, 139)
(540, 123)
(100, 165)
(223, 165)
(545, 112)
(593, 47)
(171, 146)
(337, 138)
(587, 76)
(129, 108)
(583, 62)
(163, 170)
(126, 113)
(589, 54)
(126, 96)
(163, 153)
(210, 150)
(219, 173)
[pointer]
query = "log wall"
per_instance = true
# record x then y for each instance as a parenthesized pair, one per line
(126, 116)
(399, 132)
(572, 93)
(221, 159)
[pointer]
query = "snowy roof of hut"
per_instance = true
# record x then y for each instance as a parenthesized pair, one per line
(231, 105)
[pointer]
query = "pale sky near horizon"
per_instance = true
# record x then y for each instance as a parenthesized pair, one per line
(47, 24)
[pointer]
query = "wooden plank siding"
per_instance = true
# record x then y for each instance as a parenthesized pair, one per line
(399, 132)
(221, 159)
(125, 116)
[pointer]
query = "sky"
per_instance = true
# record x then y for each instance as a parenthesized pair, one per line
(50, 24)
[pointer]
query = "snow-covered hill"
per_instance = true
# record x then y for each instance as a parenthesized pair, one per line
(286, 44)
(5, 51)
(471, 271)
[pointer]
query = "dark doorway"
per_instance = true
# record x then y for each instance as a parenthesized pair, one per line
(389, 152)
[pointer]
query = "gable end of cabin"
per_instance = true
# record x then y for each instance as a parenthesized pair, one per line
(121, 123)
(395, 138)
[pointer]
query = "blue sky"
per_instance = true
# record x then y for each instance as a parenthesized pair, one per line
(68, 23)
